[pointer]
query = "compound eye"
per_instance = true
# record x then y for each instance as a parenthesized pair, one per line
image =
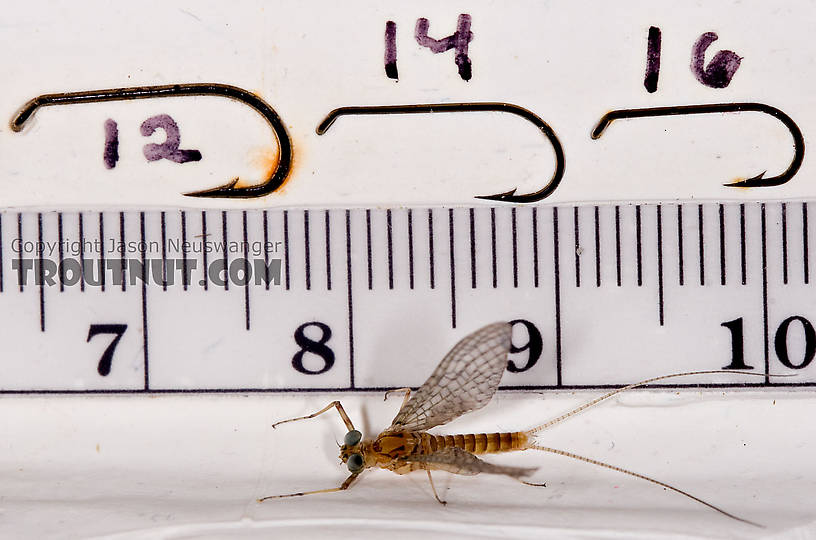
(355, 463)
(352, 438)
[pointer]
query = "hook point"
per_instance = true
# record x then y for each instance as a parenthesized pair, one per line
(503, 197)
(225, 190)
(748, 182)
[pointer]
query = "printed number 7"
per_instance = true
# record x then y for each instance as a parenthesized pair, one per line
(107, 356)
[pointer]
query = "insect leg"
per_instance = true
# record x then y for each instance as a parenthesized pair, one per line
(344, 486)
(335, 404)
(642, 477)
(406, 391)
(542, 484)
(433, 488)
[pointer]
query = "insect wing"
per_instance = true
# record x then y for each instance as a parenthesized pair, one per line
(458, 461)
(465, 380)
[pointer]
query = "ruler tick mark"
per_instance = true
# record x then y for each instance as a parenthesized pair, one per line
(431, 246)
(40, 275)
(61, 269)
(472, 248)
(20, 251)
(805, 262)
(184, 280)
(81, 251)
(784, 243)
(765, 292)
(515, 247)
(577, 234)
(349, 299)
(102, 251)
(164, 249)
(452, 255)
(743, 262)
(390, 249)
(307, 250)
(368, 250)
(535, 246)
(226, 250)
(722, 244)
(680, 236)
(144, 301)
(639, 246)
(597, 248)
(286, 246)
(266, 248)
(410, 249)
(327, 222)
(617, 245)
(204, 240)
(557, 284)
(700, 238)
(121, 248)
(493, 245)
(660, 263)
(246, 270)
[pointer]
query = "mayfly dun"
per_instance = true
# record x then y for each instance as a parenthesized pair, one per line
(465, 380)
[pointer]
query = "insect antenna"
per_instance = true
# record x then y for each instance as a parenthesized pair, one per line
(592, 403)
(642, 477)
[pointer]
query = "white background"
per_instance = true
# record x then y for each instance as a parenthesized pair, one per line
(192, 466)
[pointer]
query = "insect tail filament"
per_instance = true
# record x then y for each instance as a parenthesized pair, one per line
(587, 405)
(642, 477)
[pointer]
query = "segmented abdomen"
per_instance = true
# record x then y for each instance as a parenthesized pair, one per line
(475, 443)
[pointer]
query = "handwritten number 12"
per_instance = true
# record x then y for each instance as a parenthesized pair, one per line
(168, 150)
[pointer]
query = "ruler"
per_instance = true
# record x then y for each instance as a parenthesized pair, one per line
(369, 299)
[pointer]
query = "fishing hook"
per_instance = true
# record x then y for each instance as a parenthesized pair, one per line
(756, 181)
(228, 190)
(507, 196)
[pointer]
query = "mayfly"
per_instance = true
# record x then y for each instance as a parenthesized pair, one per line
(465, 380)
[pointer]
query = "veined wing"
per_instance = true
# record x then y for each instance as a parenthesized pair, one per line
(458, 461)
(464, 380)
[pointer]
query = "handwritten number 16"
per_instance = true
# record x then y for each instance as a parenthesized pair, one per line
(717, 74)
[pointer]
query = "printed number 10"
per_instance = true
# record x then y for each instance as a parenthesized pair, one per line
(780, 343)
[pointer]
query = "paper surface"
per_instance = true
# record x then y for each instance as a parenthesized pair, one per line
(182, 466)
(192, 467)
(567, 63)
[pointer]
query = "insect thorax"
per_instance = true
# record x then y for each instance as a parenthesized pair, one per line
(394, 445)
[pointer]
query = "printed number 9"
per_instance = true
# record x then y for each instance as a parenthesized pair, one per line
(534, 346)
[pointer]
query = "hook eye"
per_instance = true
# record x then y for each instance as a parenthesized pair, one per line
(507, 196)
(273, 181)
(755, 181)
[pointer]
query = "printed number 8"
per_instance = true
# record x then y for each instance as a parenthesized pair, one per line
(318, 348)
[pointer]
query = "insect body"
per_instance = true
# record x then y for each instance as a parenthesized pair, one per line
(465, 380)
